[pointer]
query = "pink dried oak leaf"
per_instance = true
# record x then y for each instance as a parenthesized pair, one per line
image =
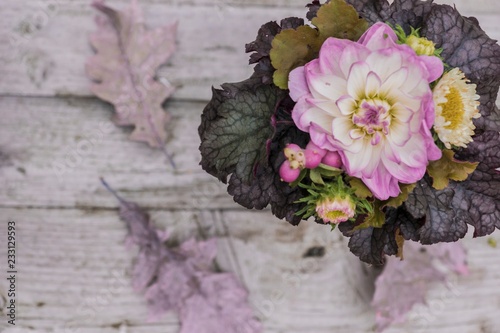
(124, 66)
(405, 283)
(183, 279)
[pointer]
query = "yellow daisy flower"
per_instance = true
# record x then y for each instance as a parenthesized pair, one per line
(456, 104)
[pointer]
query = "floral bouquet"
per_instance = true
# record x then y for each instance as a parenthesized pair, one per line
(379, 118)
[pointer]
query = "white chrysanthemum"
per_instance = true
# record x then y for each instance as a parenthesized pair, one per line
(456, 104)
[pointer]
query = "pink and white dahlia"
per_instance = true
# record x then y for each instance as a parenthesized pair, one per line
(371, 102)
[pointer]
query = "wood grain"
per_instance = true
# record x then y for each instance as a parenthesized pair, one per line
(43, 50)
(75, 272)
(56, 141)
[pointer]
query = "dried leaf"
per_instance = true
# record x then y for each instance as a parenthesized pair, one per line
(124, 67)
(404, 283)
(448, 168)
(182, 278)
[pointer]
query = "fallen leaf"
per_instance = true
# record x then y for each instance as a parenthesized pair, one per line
(404, 283)
(124, 67)
(182, 279)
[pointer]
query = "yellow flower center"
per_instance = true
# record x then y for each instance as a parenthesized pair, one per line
(453, 109)
(333, 215)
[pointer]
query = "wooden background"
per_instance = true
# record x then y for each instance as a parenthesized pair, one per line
(56, 139)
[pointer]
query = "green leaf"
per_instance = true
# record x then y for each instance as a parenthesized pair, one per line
(235, 128)
(315, 176)
(328, 171)
(302, 175)
(448, 168)
(375, 219)
(360, 188)
(339, 19)
(292, 48)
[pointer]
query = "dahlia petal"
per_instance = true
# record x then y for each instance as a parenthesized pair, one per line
(363, 163)
(405, 174)
(382, 184)
(322, 138)
(415, 154)
(403, 112)
(395, 80)
(329, 55)
(379, 36)
(356, 134)
(326, 86)
(341, 127)
(384, 62)
(434, 65)
(400, 132)
(297, 83)
(357, 79)
(317, 116)
(328, 106)
(352, 53)
(372, 84)
(346, 105)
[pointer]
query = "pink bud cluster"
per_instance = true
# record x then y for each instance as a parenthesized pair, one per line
(298, 159)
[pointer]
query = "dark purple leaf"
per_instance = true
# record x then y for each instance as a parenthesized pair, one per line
(235, 128)
(261, 47)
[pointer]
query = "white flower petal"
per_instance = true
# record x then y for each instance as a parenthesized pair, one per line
(327, 86)
(357, 80)
(399, 133)
(372, 85)
(394, 81)
(346, 105)
(340, 129)
(384, 63)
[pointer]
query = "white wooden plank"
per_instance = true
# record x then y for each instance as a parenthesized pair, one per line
(58, 148)
(43, 50)
(74, 272)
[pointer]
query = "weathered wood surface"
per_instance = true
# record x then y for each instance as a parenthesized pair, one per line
(45, 44)
(56, 141)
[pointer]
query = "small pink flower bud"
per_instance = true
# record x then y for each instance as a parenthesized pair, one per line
(332, 158)
(313, 155)
(291, 150)
(295, 156)
(320, 151)
(288, 173)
